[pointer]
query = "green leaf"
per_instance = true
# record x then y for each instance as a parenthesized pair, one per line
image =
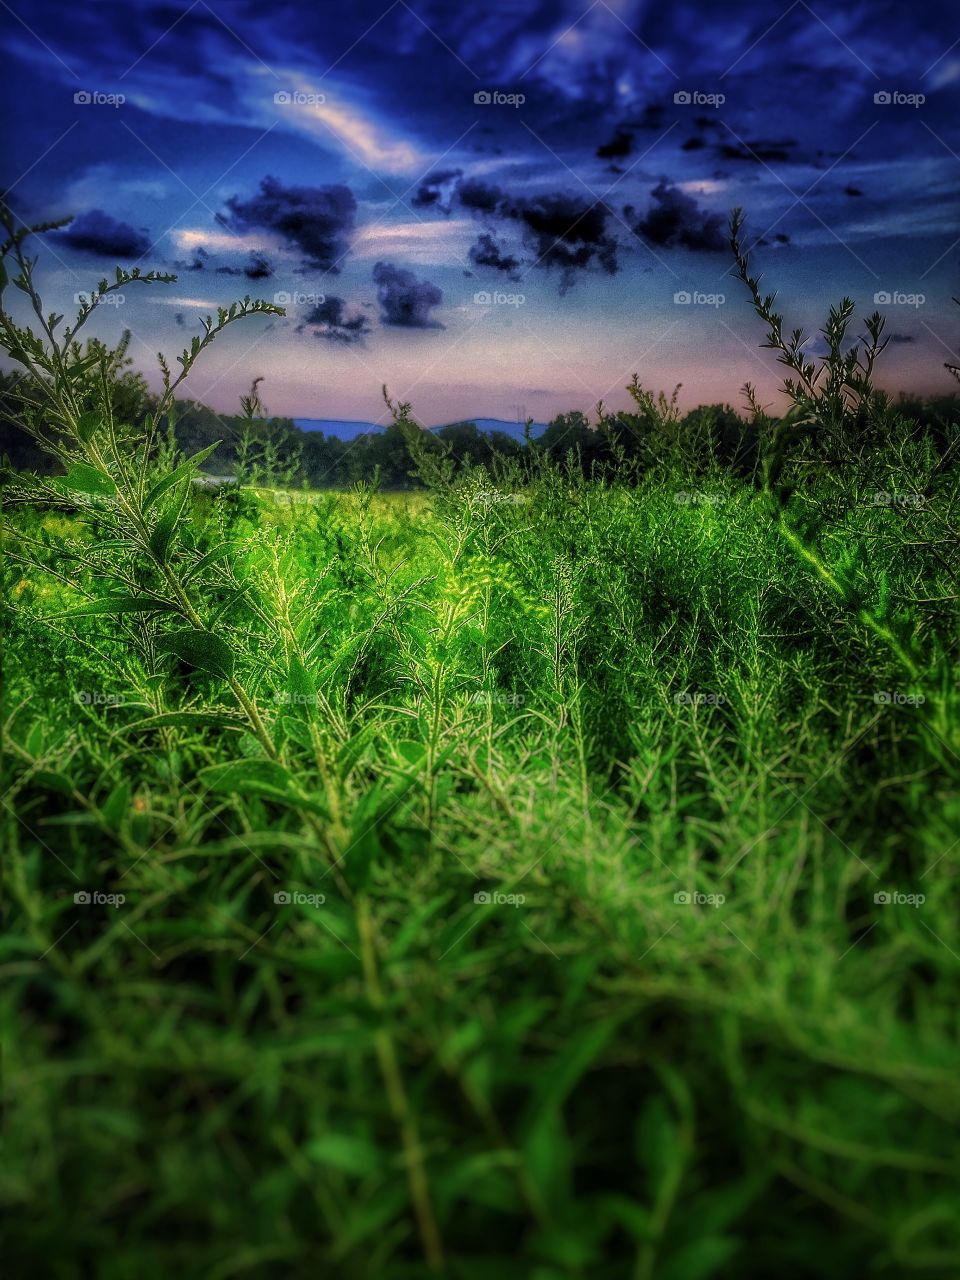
(188, 720)
(350, 753)
(300, 684)
(261, 777)
(570, 1065)
(265, 778)
(182, 472)
(114, 808)
(86, 479)
(119, 604)
(201, 649)
(218, 553)
(87, 425)
(700, 1259)
(163, 533)
(52, 781)
(347, 1152)
(547, 1158)
(247, 775)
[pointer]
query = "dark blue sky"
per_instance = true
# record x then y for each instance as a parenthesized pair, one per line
(489, 206)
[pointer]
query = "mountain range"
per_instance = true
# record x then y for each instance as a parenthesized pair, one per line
(345, 429)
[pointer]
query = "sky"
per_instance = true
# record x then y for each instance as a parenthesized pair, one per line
(497, 209)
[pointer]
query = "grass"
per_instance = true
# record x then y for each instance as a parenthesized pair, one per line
(558, 887)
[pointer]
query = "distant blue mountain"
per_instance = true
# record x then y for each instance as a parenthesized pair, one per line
(345, 429)
(512, 429)
(339, 427)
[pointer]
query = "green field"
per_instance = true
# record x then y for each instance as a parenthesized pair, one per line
(539, 875)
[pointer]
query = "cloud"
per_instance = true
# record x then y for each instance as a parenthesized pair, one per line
(437, 190)
(198, 304)
(198, 240)
(487, 253)
(563, 231)
(404, 300)
(197, 263)
(257, 268)
(424, 243)
(317, 220)
(568, 233)
(320, 115)
(758, 151)
(620, 145)
(481, 197)
(675, 220)
(96, 232)
(329, 320)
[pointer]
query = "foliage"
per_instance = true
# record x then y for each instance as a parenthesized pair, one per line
(521, 878)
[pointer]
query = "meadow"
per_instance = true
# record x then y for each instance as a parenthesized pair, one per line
(543, 874)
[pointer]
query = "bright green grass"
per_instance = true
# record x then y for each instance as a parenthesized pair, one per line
(581, 705)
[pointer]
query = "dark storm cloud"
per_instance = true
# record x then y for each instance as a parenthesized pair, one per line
(316, 220)
(562, 231)
(568, 233)
(436, 190)
(405, 301)
(481, 197)
(620, 145)
(675, 220)
(759, 151)
(197, 263)
(257, 267)
(96, 232)
(487, 253)
(329, 320)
